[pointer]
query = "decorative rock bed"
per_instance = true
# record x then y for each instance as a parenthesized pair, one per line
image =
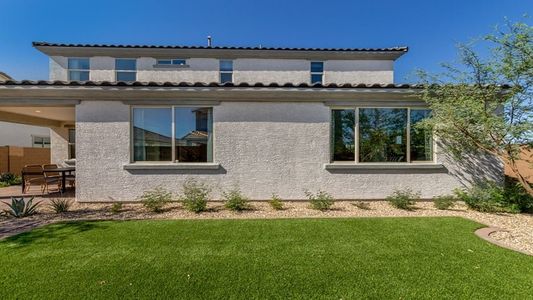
(516, 229)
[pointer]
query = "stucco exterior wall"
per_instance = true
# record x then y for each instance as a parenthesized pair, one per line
(358, 71)
(262, 147)
(58, 145)
(245, 70)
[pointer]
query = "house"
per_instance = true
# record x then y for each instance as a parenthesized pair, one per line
(270, 120)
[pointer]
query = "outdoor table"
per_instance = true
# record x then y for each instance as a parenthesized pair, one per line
(62, 170)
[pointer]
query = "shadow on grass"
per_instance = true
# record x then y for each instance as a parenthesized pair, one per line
(52, 233)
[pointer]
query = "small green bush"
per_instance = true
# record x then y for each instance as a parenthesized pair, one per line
(235, 200)
(444, 202)
(195, 196)
(60, 205)
(321, 200)
(275, 202)
(403, 198)
(362, 205)
(154, 200)
(488, 196)
(19, 208)
(7, 179)
(116, 207)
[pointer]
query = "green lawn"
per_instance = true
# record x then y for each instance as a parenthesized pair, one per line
(400, 258)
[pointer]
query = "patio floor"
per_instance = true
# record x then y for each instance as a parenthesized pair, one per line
(16, 191)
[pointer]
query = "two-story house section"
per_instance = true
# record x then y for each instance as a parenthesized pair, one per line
(220, 64)
(269, 120)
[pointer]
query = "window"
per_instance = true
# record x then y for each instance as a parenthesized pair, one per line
(421, 138)
(317, 72)
(343, 127)
(226, 71)
(40, 141)
(78, 69)
(71, 144)
(193, 134)
(370, 135)
(172, 62)
(181, 134)
(382, 135)
(126, 69)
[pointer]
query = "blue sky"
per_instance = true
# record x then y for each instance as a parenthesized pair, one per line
(429, 28)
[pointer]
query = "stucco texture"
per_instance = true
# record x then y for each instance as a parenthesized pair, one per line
(244, 70)
(262, 147)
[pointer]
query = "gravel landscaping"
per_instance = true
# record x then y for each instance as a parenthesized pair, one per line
(517, 229)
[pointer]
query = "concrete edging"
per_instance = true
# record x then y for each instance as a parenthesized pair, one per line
(485, 233)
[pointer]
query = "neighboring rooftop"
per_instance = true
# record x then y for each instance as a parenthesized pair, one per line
(4, 76)
(62, 49)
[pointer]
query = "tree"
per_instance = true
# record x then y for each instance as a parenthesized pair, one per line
(484, 103)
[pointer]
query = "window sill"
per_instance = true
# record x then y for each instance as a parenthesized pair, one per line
(383, 166)
(171, 166)
(170, 66)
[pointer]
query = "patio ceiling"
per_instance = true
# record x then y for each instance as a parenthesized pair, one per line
(47, 116)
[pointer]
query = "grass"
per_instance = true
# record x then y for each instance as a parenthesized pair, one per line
(377, 258)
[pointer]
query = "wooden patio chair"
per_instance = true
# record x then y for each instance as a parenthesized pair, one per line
(51, 178)
(33, 175)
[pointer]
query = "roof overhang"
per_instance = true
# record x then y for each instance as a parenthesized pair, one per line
(74, 50)
(70, 93)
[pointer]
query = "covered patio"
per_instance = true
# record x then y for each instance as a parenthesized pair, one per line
(59, 117)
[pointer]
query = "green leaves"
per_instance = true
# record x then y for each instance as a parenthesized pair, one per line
(19, 208)
(485, 102)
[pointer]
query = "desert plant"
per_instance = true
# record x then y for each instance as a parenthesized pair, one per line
(321, 200)
(19, 208)
(60, 205)
(116, 207)
(195, 196)
(488, 196)
(361, 205)
(444, 202)
(403, 198)
(154, 200)
(275, 202)
(235, 200)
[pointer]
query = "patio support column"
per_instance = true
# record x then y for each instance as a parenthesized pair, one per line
(58, 145)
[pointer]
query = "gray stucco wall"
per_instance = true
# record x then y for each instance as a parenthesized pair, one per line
(245, 70)
(263, 147)
(58, 145)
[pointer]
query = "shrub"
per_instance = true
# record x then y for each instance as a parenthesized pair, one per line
(444, 202)
(7, 179)
(19, 208)
(275, 202)
(321, 200)
(154, 200)
(195, 196)
(361, 205)
(488, 196)
(403, 199)
(60, 205)
(235, 200)
(116, 207)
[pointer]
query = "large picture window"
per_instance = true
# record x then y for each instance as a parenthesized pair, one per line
(380, 135)
(181, 134)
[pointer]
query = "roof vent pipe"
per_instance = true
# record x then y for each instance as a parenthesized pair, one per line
(208, 41)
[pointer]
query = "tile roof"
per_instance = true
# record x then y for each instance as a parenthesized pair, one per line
(206, 84)
(392, 49)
